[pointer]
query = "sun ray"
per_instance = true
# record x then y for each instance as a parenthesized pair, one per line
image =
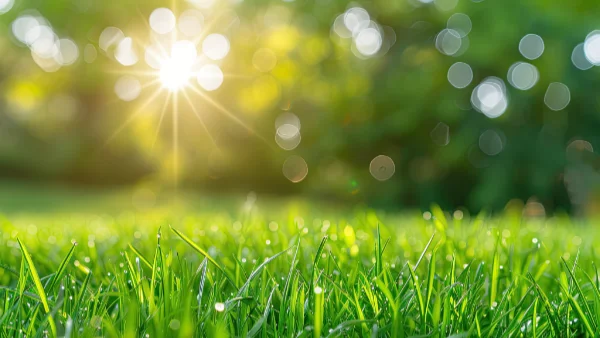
(206, 30)
(176, 65)
(162, 116)
(133, 72)
(175, 140)
(144, 86)
(228, 113)
(131, 117)
(199, 118)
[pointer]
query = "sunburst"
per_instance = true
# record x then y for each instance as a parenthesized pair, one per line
(181, 63)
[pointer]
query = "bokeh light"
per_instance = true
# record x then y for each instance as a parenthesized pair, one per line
(6, 5)
(460, 23)
(125, 53)
(448, 42)
(210, 77)
(490, 142)
(110, 36)
(295, 169)
(162, 20)
(523, 75)
(460, 75)
(531, 46)
(215, 46)
(128, 88)
(557, 96)
(382, 168)
(441, 134)
(490, 97)
(591, 47)
(190, 23)
(579, 59)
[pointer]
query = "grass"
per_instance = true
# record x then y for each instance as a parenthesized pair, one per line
(294, 270)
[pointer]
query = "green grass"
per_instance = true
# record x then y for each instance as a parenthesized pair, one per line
(296, 270)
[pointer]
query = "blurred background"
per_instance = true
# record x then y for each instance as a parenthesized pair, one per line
(389, 103)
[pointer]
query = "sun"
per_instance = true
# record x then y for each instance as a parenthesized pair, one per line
(176, 70)
(174, 76)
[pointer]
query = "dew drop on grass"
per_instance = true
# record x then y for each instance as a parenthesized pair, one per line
(220, 307)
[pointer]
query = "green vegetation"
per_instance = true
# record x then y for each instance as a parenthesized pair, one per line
(296, 270)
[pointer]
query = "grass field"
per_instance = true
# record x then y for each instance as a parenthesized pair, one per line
(293, 269)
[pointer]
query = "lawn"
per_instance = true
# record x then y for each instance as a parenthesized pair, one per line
(240, 267)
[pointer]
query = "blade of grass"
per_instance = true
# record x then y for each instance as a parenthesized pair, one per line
(205, 254)
(38, 285)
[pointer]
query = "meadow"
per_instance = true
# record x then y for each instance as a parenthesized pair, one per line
(254, 267)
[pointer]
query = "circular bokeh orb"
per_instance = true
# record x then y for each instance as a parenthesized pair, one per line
(288, 137)
(382, 168)
(461, 23)
(295, 169)
(531, 46)
(579, 59)
(557, 96)
(162, 20)
(490, 142)
(215, 46)
(128, 88)
(210, 77)
(460, 75)
(523, 75)
(6, 5)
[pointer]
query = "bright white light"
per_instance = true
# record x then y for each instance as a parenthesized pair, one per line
(128, 88)
(176, 71)
(184, 52)
(36, 32)
(215, 46)
(288, 137)
(6, 5)
(368, 41)
(210, 77)
(174, 75)
(356, 19)
(45, 45)
(162, 20)
(490, 98)
(591, 48)
(125, 53)
(22, 25)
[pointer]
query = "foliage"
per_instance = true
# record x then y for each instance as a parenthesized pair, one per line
(351, 109)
